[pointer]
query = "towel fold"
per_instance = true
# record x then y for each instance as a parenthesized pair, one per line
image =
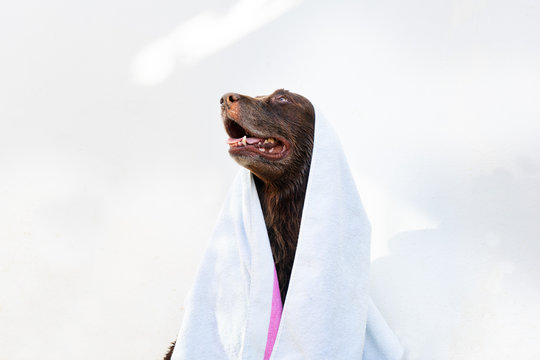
(275, 318)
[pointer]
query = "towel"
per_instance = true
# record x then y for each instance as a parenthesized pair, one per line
(275, 318)
(328, 313)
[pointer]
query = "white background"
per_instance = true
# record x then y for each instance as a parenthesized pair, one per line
(113, 163)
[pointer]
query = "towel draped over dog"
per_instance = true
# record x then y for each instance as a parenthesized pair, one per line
(328, 313)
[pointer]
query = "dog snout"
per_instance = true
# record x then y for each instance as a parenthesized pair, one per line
(229, 98)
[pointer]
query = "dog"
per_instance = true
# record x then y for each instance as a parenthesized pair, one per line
(272, 137)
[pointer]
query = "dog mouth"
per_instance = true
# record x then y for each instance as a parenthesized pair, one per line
(243, 142)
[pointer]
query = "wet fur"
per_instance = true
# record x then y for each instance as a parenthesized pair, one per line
(282, 209)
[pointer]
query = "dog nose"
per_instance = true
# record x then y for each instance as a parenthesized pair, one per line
(229, 98)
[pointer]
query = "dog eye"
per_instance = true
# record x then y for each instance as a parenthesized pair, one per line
(282, 99)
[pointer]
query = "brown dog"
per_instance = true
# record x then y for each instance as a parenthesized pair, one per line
(272, 136)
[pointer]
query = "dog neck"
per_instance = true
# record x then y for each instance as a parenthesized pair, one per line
(282, 206)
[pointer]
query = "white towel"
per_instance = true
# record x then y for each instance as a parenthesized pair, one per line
(327, 314)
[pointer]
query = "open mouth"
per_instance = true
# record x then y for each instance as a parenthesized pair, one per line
(243, 142)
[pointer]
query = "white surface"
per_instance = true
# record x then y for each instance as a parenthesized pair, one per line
(110, 186)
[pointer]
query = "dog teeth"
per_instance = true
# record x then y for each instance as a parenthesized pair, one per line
(271, 149)
(243, 142)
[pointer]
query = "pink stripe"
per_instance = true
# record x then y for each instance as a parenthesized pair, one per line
(275, 318)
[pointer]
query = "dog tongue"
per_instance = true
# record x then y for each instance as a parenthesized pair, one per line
(249, 140)
(252, 140)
